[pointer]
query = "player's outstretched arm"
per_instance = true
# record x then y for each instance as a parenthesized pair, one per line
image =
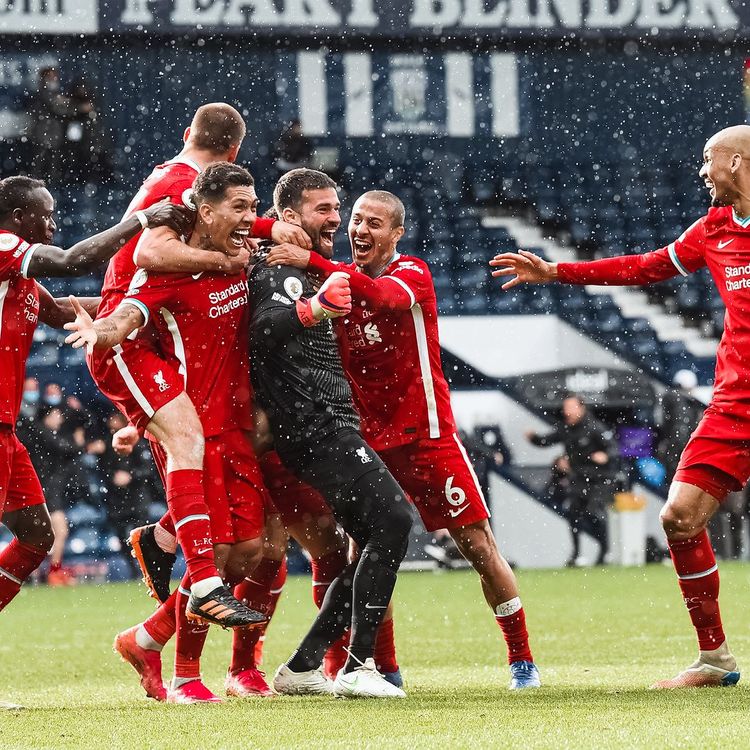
(57, 311)
(48, 260)
(163, 251)
(682, 256)
(103, 333)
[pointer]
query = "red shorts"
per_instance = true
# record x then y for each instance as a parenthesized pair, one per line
(236, 498)
(440, 481)
(296, 501)
(135, 378)
(19, 484)
(717, 456)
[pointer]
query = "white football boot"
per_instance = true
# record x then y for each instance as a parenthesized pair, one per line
(313, 682)
(365, 682)
(716, 668)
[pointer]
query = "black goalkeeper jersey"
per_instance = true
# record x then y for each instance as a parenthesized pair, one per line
(296, 371)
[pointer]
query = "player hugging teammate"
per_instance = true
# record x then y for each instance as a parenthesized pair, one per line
(178, 331)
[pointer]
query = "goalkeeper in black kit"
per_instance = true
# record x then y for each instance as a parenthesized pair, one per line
(300, 383)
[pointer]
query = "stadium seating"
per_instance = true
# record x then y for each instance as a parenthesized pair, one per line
(611, 204)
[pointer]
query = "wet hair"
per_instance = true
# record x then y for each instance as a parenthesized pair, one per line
(398, 212)
(212, 183)
(217, 128)
(14, 193)
(290, 189)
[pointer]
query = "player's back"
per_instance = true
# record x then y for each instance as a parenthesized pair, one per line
(392, 358)
(170, 180)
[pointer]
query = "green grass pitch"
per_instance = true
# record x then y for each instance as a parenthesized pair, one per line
(600, 638)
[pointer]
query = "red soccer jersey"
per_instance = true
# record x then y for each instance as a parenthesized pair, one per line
(19, 312)
(721, 241)
(201, 324)
(170, 180)
(392, 359)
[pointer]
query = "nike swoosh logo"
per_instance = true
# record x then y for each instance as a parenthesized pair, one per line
(196, 276)
(724, 244)
(370, 606)
(203, 551)
(456, 513)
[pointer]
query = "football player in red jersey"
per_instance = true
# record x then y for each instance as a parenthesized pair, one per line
(200, 322)
(136, 377)
(715, 460)
(391, 354)
(27, 227)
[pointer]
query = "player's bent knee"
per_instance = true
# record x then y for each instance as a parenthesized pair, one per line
(400, 519)
(244, 557)
(681, 523)
(32, 525)
(185, 447)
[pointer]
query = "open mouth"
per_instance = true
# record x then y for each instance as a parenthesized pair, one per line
(239, 236)
(361, 248)
(326, 235)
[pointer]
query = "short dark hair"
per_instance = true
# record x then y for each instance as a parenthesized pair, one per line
(14, 193)
(212, 183)
(290, 189)
(217, 127)
(394, 203)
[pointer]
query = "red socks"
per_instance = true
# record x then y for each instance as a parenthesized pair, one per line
(162, 624)
(512, 621)
(167, 523)
(256, 592)
(277, 587)
(695, 565)
(187, 506)
(17, 562)
(385, 648)
(190, 638)
(324, 570)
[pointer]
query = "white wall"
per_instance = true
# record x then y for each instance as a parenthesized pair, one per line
(473, 408)
(529, 534)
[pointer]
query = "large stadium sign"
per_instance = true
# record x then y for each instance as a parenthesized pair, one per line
(358, 18)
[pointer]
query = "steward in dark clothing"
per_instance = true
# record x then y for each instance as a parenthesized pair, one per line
(591, 464)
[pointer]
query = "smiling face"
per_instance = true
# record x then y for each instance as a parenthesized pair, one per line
(718, 172)
(318, 214)
(227, 222)
(372, 234)
(34, 220)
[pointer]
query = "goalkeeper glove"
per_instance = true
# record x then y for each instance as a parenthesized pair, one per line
(334, 299)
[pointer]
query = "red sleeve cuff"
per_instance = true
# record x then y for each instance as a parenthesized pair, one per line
(262, 228)
(320, 265)
(563, 274)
